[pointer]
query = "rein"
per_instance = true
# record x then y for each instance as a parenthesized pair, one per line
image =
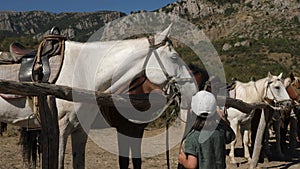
(170, 87)
(152, 49)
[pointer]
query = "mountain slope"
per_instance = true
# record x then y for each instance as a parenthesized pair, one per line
(77, 26)
(251, 36)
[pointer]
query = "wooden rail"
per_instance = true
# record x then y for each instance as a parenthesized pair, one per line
(104, 99)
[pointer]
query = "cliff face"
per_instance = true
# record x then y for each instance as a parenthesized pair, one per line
(252, 36)
(240, 18)
(218, 18)
(243, 31)
(77, 26)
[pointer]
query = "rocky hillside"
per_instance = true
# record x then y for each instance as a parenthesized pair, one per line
(77, 26)
(241, 18)
(251, 36)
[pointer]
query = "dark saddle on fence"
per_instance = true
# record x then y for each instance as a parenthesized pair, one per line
(17, 52)
(35, 65)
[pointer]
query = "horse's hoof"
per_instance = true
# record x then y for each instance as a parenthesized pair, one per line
(232, 161)
(248, 160)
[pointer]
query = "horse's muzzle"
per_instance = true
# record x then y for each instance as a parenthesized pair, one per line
(284, 105)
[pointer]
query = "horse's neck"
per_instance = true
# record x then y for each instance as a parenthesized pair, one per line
(251, 92)
(106, 60)
(261, 86)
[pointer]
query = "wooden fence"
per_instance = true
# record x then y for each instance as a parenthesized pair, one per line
(49, 123)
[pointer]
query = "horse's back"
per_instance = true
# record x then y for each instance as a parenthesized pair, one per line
(246, 92)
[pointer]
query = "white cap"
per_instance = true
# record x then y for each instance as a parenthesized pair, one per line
(204, 104)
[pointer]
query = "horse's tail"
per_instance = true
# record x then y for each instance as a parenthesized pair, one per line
(3, 128)
(31, 150)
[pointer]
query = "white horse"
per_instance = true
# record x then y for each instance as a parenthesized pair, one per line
(106, 67)
(269, 88)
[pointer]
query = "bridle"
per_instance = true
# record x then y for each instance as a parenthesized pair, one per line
(170, 89)
(171, 86)
(273, 103)
(153, 49)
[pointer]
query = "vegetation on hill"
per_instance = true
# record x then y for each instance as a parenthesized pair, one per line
(252, 38)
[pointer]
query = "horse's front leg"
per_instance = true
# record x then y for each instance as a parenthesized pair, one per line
(64, 131)
(79, 139)
(234, 126)
(266, 136)
(277, 124)
(246, 140)
(293, 133)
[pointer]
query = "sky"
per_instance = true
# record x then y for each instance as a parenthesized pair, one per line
(58, 6)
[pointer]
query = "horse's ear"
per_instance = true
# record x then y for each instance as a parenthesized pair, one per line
(269, 75)
(280, 76)
(292, 76)
(159, 37)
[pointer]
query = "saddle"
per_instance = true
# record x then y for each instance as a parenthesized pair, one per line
(35, 64)
(17, 52)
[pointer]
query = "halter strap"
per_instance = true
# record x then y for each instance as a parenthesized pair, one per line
(266, 99)
(152, 49)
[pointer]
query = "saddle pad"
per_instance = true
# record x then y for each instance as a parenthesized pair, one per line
(10, 72)
(55, 63)
(10, 96)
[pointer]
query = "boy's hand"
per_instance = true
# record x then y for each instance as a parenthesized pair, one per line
(181, 156)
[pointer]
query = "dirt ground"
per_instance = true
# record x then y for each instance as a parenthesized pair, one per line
(96, 157)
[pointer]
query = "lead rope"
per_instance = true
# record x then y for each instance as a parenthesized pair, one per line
(174, 88)
(171, 85)
(167, 138)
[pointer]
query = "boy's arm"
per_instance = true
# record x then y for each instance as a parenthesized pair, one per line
(229, 133)
(189, 161)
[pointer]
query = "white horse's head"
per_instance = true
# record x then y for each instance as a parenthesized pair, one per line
(157, 59)
(164, 63)
(275, 91)
(121, 62)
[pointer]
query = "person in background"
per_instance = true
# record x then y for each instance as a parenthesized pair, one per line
(200, 75)
(205, 143)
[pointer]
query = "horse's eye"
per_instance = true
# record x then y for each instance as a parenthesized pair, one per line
(174, 57)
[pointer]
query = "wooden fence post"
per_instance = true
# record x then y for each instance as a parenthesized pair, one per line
(259, 138)
(50, 132)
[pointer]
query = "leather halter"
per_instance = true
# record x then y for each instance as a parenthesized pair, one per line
(170, 89)
(273, 103)
(152, 49)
